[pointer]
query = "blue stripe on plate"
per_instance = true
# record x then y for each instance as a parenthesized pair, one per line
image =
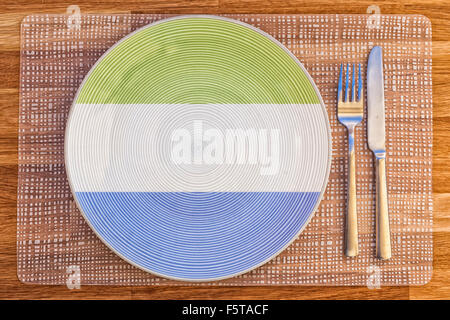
(197, 235)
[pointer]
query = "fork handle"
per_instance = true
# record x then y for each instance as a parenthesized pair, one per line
(382, 211)
(351, 224)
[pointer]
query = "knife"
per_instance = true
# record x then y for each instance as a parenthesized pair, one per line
(376, 139)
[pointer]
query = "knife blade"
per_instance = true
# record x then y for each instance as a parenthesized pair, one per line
(377, 143)
(375, 102)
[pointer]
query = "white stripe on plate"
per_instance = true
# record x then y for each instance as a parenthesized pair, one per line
(143, 148)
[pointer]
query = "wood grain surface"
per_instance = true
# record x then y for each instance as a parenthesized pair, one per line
(11, 15)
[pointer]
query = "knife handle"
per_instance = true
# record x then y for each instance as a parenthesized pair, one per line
(351, 223)
(382, 211)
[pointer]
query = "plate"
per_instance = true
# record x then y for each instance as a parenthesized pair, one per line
(198, 148)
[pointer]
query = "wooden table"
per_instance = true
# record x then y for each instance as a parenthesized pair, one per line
(13, 11)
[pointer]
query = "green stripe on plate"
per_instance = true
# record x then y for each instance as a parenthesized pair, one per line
(197, 60)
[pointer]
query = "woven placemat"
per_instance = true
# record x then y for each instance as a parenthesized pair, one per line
(53, 239)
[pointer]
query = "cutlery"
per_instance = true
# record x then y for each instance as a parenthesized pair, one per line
(376, 141)
(350, 112)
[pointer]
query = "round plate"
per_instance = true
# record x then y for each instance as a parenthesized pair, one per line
(198, 148)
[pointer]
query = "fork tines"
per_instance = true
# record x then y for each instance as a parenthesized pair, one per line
(348, 106)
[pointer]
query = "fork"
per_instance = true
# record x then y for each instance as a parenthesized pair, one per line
(350, 113)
